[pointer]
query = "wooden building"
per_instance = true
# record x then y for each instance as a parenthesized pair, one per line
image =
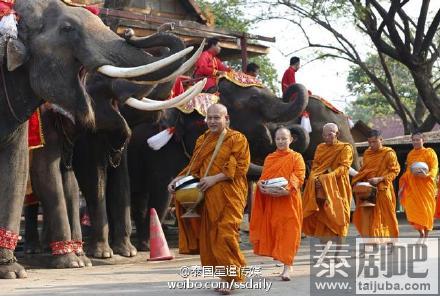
(145, 17)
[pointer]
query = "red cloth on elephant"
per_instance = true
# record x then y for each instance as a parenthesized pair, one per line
(35, 131)
(177, 88)
(288, 78)
(207, 66)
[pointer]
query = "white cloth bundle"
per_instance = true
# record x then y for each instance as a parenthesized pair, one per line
(8, 26)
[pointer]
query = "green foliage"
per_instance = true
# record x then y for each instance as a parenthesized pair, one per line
(369, 102)
(230, 15)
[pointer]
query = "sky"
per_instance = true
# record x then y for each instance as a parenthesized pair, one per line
(326, 78)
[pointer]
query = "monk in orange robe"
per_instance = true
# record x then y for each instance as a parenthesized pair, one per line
(417, 188)
(437, 209)
(380, 167)
(275, 228)
(327, 194)
(225, 193)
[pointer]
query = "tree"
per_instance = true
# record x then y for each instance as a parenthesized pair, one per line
(228, 14)
(370, 102)
(416, 50)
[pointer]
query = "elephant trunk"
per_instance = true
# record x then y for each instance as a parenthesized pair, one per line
(302, 139)
(274, 110)
(254, 171)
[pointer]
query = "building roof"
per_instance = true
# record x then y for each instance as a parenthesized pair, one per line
(146, 17)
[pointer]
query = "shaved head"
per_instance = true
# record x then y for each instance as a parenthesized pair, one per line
(330, 126)
(218, 108)
(283, 128)
(330, 133)
(217, 118)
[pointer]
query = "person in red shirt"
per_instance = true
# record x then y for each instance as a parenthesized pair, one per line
(289, 74)
(209, 65)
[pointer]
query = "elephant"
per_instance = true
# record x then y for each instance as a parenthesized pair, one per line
(56, 43)
(100, 155)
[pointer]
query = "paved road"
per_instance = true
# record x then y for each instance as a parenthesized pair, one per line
(139, 277)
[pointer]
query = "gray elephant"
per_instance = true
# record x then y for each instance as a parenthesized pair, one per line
(55, 41)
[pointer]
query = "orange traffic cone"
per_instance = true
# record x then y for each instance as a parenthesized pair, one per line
(158, 244)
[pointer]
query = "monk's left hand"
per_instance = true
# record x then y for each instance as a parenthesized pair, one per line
(207, 182)
(375, 180)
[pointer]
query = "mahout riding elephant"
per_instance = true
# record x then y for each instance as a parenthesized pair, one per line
(55, 42)
(254, 111)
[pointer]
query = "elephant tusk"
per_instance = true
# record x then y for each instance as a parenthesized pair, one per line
(183, 98)
(118, 72)
(182, 69)
(152, 105)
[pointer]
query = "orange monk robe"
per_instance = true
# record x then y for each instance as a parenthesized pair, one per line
(222, 210)
(380, 220)
(437, 209)
(330, 164)
(275, 228)
(418, 193)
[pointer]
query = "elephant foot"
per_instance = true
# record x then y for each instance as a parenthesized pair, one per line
(143, 246)
(124, 248)
(100, 250)
(85, 260)
(9, 268)
(69, 260)
(12, 271)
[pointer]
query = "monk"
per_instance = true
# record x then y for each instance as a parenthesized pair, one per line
(380, 167)
(209, 65)
(437, 208)
(225, 192)
(417, 189)
(276, 219)
(327, 193)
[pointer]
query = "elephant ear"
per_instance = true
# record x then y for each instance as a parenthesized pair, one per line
(16, 54)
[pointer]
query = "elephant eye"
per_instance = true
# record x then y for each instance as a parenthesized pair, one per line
(67, 28)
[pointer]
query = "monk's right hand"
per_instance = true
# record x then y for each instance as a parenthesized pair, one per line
(172, 185)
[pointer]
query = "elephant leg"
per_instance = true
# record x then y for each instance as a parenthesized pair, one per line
(118, 197)
(14, 160)
(94, 192)
(71, 194)
(90, 167)
(140, 213)
(47, 184)
(31, 235)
